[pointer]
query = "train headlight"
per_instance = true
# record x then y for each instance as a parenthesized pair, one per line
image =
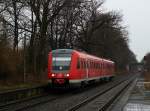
(67, 75)
(53, 75)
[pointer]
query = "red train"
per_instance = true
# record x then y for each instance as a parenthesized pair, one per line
(67, 66)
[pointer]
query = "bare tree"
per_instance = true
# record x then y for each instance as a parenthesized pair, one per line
(16, 25)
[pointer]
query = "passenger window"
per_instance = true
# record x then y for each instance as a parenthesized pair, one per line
(93, 65)
(81, 63)
(90, 64)
(84, 65)
(87, 64)
(78, 64)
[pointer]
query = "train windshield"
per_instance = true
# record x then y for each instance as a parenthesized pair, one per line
(61, 62)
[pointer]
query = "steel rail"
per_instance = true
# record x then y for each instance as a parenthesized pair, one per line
(88, 100)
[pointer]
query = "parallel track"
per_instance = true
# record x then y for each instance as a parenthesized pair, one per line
(123, 84)
(38, 100)
(51, 98)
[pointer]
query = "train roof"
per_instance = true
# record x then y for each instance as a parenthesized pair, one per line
(81, 54)
(62, 51)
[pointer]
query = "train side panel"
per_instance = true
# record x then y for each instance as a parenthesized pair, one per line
(78, 71)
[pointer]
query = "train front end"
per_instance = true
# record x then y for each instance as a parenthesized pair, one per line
(59, 64)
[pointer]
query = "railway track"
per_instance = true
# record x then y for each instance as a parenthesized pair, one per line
(20, 105)
(65, 100)
(101, 101)
(13, 96)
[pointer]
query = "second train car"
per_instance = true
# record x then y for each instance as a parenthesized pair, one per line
(72, 67)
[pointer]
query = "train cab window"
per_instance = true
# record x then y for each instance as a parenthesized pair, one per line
(61, 62)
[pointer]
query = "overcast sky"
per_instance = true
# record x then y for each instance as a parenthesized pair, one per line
(137, 17)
